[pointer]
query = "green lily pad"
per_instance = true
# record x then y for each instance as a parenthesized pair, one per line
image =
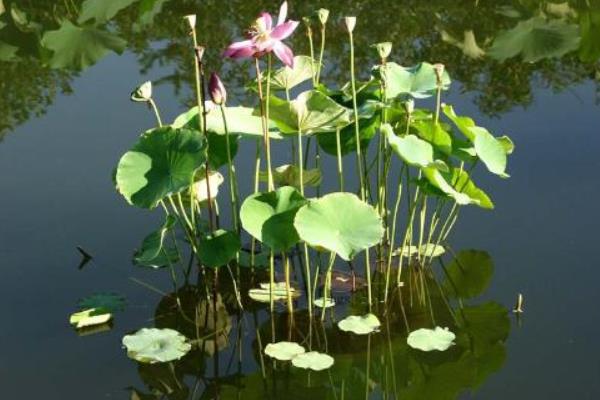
(491, 150)
(469, 274)
(102, 10)
(161, 163)
(431, 339)
(360, 325)
(339, 222)
(311, 112)
(322, 302)
(288, 78)
(289, 175)
(219, 248)
(284, 351)
(153, 252)
(419, 81)
(90, 317)
(535, 39)
(313, 360)
(77, 47)
(110, 302)
(152, 345)
(269, 217)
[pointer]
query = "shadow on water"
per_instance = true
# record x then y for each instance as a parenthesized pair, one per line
(227, 362)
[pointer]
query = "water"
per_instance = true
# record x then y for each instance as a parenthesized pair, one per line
(57, 194)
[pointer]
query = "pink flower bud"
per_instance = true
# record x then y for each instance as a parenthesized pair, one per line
(218, 94)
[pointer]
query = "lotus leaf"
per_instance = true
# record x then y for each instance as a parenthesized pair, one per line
(418, 81)
(469, 274)
(360, 325)
(284, 351)
(219, 248)
(110, 302)
(431, 339)
(289, 175)
(90, 317)
(152, 345)
(153, 252)
(313, 360)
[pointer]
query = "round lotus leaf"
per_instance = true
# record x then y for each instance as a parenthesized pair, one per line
(219, 248)
(161, 163)
(90, 317)
(322, 302)
(152, 345)
(339, 222)
(284, 351)
(360, 325)
(431, 339)
(313, 360)
(269, 217)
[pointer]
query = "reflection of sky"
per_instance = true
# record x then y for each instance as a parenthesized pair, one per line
(57, 193)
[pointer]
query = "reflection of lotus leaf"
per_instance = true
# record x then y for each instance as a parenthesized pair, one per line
(284, 351)
(108, 301)
(313, 360)
(360, 325)
(152, 345)
(431, 339)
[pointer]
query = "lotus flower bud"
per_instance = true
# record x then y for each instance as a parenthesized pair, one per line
(439, 71)
(384, 49)
(143, 93)
(191, 20)
(218, 94)
(323, 14)
(350, 23)
(410, 106)
(199, 50)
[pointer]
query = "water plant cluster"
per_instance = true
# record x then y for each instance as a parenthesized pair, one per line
(412, 154)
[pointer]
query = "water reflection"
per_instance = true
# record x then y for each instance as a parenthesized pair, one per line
(498, 50)
(227, 359)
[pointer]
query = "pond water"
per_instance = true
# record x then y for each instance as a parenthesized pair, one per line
(65, 122)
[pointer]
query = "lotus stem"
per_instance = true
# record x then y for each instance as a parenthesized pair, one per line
(327, 287)
(321, 52)
(306, 253)
(156, 113)
(265, 119)
(356, 124)
(232, 176)
(288, 285)
(340, 165)
(309, 35)
(393, 232)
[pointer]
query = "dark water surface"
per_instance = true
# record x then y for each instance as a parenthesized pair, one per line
(64, 129)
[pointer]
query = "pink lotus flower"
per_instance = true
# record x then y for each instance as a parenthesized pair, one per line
(264, 38)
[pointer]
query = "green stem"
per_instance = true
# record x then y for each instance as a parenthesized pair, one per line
(340, 165)
(356, 124)
(393, 232)
(321, 52)
(265, 123)
(232, 177)
(327, 288)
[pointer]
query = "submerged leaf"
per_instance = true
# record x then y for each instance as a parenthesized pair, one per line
(77, 47)
(431, 339)
(313, 360)
(284, 351)
(110, 302)
(360, 325)
(339, 222)
(469, 274)
(152, 345)
(535, 39)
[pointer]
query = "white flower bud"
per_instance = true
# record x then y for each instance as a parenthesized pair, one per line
(191, 20)
(350, 23)
(323, 14)
(143, 93)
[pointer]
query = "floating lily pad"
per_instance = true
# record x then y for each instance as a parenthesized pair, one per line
(161, 163)
(284, 351)
(263, 294)
(360, 325)
(339, 222)
(269, 217)
(110, 302)
(311, 112)
(90, 317)
(152, 345)
(321, 302)
(431, 339)
(313, 360)
(219, 248)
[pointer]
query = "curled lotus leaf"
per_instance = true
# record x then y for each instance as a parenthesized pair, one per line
(423, 339)
(153, 345)
(90, 317)
(313, 360)
(360, 325)
(284, 351)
